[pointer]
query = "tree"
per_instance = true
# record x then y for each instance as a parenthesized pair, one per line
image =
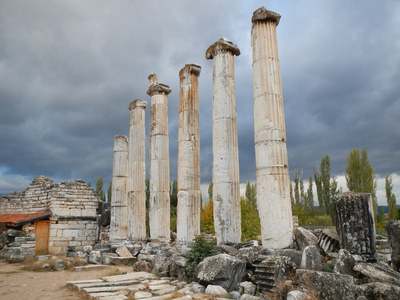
(174, 193)
(99, 188)
(109, 191)
(251, 193)
(210, 190)
(326, 184)
(291, 194)
(309, 197)
(360, 175)
(89, 184)
(207, 217)
(296, 186)
(391, 198)
(250, 221)
(318, 185)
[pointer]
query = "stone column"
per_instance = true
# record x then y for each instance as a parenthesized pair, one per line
(226, 190)
(119, 201)
(137, 171)
(355, 223)
(273, 181)
(159, 213)
(188, 218)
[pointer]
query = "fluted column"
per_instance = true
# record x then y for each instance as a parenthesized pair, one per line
(119, 205)
(137, 171)
(188, 218)
(226, 190)
(159, 213)
(273, 181)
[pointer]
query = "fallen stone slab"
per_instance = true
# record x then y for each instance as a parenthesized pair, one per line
(142, 295)
(130, 276)
(113, 297)
(100, 289)
(378, 272)
(77, 282)
(89, 267)
(122, 260)
(102, 283)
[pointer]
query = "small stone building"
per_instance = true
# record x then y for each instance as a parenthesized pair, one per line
(47, 217)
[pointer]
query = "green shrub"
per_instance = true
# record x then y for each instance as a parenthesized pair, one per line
(202, 248)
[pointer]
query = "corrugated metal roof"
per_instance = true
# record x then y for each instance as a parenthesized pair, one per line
(14, 219)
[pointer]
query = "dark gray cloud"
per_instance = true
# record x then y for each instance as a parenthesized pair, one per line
(69, 69)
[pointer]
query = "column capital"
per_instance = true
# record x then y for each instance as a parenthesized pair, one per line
(264, 15)
(156, 88)
(221, 46)
(138, 103)
(191, 69)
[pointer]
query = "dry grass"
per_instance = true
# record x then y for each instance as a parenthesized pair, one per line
(30, 264)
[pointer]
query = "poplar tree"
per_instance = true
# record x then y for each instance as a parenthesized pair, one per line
(309, 199)
(99, 188)
(251, 193)
(360, 175)
(296, 186)
(391, 198)
(318, 185)
(109, 192)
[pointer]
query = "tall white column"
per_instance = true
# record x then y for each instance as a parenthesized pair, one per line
(188, 217)
(273, 181)
(119, 201)
(226, 190)
(159, 213)
(137, 171)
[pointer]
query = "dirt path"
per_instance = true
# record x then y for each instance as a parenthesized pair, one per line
(15, 283)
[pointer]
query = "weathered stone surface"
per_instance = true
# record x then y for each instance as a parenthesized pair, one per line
(222, 269)
(304, 238)
(234, 295)
(226, 189)
(142, 266)
(273, 181)
(178, 267)
(378, 272)
(295, 255)
(249, 297)
(393, 231)
(142, 295)
(119, 202)
(60, 265)
(272, 271)
(378, 290)
(328, 241)
(136, 190)
(355, 223)
(344, 263)
(216, 290)
(197, 288)
(95, 257)
(312, 259)
(159, 211)
(296, 295)
(330, 286)
(123, 252)
(249, 254)
(247, 287)
(188, 216)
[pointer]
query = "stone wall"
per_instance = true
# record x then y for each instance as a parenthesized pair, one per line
(34, 199)
(77, 233)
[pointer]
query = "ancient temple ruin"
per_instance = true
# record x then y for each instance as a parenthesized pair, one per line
(272, 170)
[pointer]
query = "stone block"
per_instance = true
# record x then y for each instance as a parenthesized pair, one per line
(304, 238)
(216, 290)
(393, 231)
(312, 259)
(71, 233)
(355, 223)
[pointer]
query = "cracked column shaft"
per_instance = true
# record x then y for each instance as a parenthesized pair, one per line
(273, 181)
(137, 171)
(188, 217)
(159, 214)
(226, 189)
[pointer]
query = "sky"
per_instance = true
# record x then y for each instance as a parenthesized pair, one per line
(69, 69)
